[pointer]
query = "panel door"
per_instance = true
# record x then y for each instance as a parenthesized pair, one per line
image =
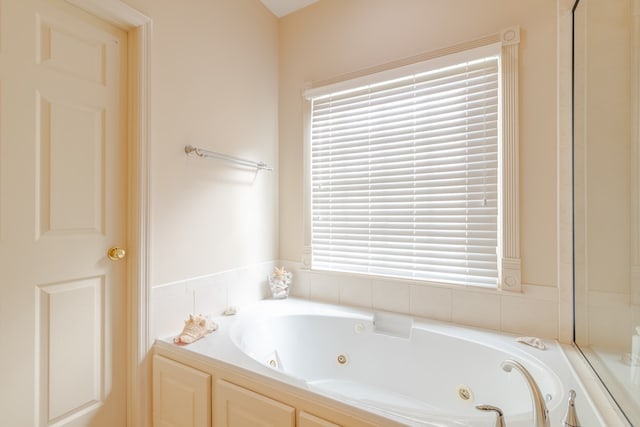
(305, 419)
(238, 407)
(63, 192)
(181, 395)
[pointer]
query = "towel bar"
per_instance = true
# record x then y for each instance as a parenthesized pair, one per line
(200, 152)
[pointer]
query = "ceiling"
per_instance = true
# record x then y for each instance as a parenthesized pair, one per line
(281, 8)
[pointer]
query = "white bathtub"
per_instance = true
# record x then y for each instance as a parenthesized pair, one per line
(422, 373)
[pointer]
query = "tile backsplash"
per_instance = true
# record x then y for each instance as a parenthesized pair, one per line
(172, 303)
(533, 312)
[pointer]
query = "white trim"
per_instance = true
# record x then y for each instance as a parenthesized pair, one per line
(139, 370)
(115, 12)
(138, 27)
(564, 174)
(510, 267)
(306, 183)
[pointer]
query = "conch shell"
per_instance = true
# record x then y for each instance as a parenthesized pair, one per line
(195, 327)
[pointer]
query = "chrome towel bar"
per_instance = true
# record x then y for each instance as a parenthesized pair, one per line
(201, 152)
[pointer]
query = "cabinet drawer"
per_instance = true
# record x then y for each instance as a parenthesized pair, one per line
(305, 419)
(181, 395)
(238, 407)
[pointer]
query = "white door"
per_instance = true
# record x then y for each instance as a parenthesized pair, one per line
(63, 193)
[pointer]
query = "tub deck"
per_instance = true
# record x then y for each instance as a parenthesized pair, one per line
(233, 347)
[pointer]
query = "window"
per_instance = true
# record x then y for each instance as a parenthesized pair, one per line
(406, 167)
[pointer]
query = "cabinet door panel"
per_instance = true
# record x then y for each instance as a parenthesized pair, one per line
(181, 395)
(238, 407)
(307, 420)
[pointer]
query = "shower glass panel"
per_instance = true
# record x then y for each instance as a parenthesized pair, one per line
(606, 188)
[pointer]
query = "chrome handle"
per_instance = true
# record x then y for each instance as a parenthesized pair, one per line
(499, 416)
(116, 253)
(571, 418)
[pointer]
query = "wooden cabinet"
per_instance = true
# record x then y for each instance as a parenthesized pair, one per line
(200, 392)
(239, 407)
(181, 395)
(307, 420)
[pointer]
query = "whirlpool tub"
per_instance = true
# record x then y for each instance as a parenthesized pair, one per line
(411, 371)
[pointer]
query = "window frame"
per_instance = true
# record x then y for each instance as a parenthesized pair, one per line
(509, 264)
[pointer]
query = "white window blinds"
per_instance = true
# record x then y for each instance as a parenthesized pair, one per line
(404, 175)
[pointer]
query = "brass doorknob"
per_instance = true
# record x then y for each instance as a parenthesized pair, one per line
(116, 253)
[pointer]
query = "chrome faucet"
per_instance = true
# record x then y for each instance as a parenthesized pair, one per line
(498, 411)
(540, 411)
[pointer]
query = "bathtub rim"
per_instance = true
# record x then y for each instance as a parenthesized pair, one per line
(262, 383)
(219, 349)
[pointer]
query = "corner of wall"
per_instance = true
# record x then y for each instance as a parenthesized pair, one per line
(171, 303)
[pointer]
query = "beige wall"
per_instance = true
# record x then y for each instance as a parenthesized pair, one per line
(334, 37)
(228, 76)
(214, 85)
